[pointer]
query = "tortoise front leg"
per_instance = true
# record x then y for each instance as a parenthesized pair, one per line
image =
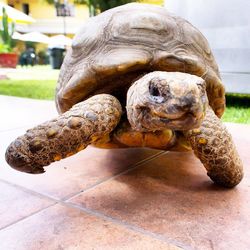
(214, 146)
(69, 133)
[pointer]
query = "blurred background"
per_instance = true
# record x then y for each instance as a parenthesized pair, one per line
(43, 30)
(35, 35)
(226, 25)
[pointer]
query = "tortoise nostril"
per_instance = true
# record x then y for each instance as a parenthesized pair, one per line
(153, 90)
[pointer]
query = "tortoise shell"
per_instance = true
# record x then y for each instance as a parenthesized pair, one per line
(118, 45)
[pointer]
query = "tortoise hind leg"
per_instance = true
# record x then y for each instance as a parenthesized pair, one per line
(214, 146)
(66, 135)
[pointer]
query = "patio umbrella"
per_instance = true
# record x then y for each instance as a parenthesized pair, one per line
(15, 15)
(35, 37)
(17, 36)
(59, 41)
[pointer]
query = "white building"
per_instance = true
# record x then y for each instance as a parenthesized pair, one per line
(226, 25)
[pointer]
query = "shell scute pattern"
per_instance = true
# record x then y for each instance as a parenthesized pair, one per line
(154, 29)
(150, 39)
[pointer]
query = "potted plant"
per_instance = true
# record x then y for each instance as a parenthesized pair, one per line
(7, 57)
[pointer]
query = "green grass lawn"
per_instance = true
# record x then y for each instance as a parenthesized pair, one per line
(237, 115)
(238, 108)
(36, 89)
(36, 82)
(39, 83)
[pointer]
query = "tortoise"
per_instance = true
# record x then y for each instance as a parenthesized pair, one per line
(136, 76)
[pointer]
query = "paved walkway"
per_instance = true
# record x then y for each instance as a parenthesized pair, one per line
(117, 199)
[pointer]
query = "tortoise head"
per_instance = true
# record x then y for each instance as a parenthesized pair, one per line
(172, 100)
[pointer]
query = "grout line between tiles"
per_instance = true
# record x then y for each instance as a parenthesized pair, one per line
(134, 166)
(98, 215)
(55, 200)
(30, 191)
(69, 204)
(127, 225)
(25, 217)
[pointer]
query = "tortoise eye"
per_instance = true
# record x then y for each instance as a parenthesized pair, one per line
(153, 90)
(156, 95)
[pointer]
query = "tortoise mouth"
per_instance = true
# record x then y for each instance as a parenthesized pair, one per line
(27, 168)
(182, 121)
(182, 116)
(166, 116)
(197, 112)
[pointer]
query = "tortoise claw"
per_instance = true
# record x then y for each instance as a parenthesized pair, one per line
(20, 162)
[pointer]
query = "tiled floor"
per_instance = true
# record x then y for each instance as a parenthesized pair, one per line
(118, 199)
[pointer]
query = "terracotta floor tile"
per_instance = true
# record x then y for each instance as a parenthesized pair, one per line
(16, 204)
(172, 196)
(76, 173)
(60, 227)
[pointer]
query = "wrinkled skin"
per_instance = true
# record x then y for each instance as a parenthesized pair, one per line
(171, 100)
(113, 55)
(178, 101)
(157, 101)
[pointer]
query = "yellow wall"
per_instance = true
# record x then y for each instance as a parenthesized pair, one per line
(158, 2)
(40, 9)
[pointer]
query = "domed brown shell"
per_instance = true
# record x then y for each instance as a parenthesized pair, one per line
(135, 38)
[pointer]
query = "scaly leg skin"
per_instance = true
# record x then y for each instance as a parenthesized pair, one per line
(66, 135)
(214, 146)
